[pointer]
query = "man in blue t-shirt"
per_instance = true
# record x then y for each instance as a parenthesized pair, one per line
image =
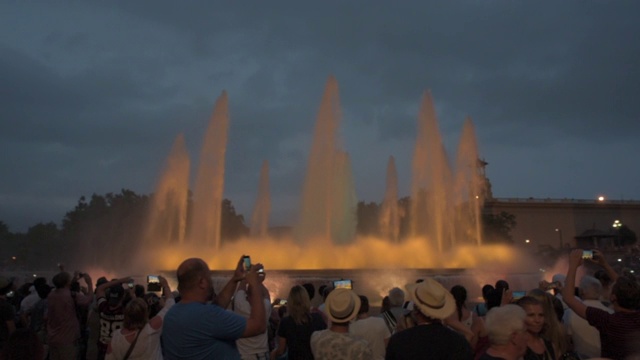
(194, 329)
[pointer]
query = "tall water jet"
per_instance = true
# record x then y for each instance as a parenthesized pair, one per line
(317, 218)
(167, 220)
(262, 208)
(389, 215)
(431, 214)
(344, 201)
(209, 185)
(469, 184)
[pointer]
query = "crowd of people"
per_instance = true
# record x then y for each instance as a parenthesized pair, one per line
(599, 318)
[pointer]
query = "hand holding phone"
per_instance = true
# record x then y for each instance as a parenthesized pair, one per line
(246, 261)
(153, 283)
(587, 254)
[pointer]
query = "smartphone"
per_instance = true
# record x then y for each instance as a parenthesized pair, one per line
(283, 302)
(130, 285)
(153, 283)
(587, 254)
(261, 272)
(346, 284)
(518, 294)
(247, 262)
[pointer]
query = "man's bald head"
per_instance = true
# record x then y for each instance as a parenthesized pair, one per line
(190, 272)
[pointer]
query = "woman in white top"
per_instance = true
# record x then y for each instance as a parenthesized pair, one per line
(464, 321)
(136, 320)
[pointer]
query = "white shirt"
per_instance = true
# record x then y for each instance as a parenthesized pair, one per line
(148, 345)
(29, 301)
(586, 338)
(374, 330)
(258, 344)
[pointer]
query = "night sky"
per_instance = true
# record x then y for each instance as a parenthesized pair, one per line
(92, 95)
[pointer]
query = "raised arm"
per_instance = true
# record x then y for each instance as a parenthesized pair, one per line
(100, 290)
(257, 321)
(598, 258)
(166, 289)
(86, 299)
(224, 297)
(240, 302)
(568, 292)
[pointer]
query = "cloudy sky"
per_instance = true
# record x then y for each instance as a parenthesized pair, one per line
(93, 94)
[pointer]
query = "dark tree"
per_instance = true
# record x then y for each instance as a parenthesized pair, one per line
(39, 243)
(232, 226)
(497, 228)
(104, 231)
(626, 236)
(368, 219)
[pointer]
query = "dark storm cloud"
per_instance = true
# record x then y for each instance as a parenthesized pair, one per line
(93, 95)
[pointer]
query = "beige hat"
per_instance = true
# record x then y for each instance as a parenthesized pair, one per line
(432, 299)
(342, 305)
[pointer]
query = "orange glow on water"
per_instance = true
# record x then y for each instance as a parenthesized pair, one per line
(363, 253)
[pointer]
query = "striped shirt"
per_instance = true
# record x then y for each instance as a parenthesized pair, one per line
(619, 332)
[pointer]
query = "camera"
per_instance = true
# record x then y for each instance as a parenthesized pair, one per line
(153, 283)
(247, 262)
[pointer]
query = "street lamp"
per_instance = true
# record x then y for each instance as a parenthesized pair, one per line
(559, 231)
(616, 226)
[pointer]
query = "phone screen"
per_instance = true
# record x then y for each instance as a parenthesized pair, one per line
(247, 262)
(346, 284)
(153, 283)
(519, 294)
(587, 254)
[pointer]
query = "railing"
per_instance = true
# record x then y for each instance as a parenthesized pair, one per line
(566, 200)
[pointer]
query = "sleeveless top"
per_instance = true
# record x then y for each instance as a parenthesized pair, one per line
(548, 354)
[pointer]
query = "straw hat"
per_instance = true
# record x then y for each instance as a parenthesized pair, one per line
(432, 299)
(342, 305)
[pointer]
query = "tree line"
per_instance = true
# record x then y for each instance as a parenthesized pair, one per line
(111, 223)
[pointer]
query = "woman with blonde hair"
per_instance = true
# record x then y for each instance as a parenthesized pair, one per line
(553, 329)
(139, 337)
(539, 347)
(294, 332)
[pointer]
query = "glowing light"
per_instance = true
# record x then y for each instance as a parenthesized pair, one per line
(527, 241)
(13, 258)
(600, 198)
(619, 260)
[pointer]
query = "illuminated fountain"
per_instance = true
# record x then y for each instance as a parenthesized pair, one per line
(442, 220)
(259, 226)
